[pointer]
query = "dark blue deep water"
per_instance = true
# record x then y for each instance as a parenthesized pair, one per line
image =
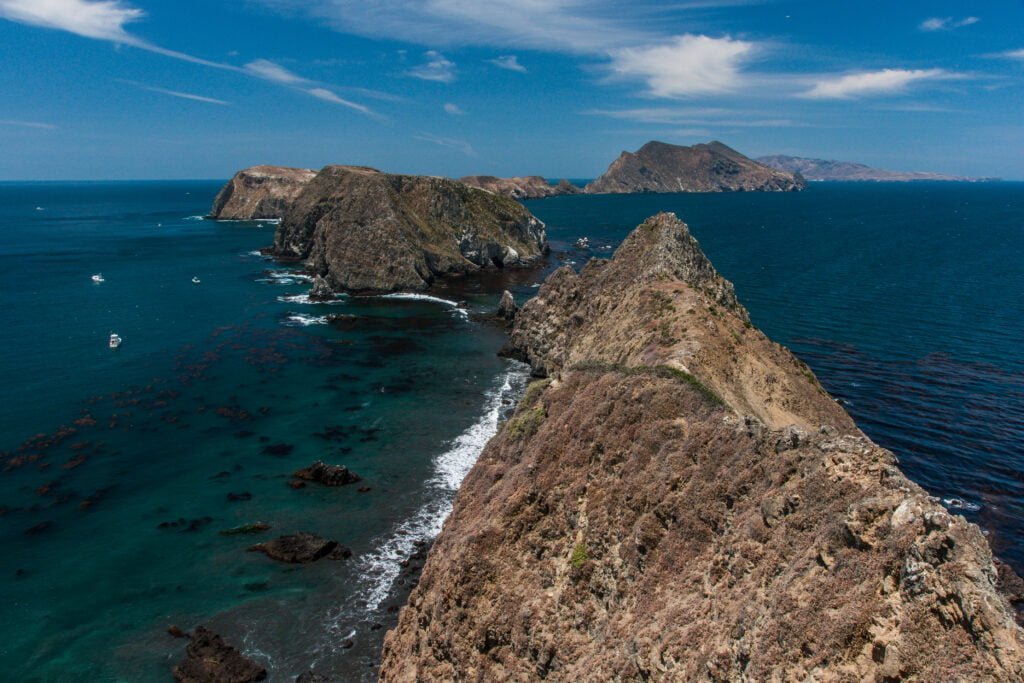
(115, 466)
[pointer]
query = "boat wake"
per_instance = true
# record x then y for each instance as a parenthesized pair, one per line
(458, 308)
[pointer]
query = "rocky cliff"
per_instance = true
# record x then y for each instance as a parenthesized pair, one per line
(821, 169)
(711, 167)
(260, 192)
(363, 230)
(527, 187)
(679, 499)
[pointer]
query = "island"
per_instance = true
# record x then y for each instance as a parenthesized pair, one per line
(710, 167)
(823, 170)
(521, 187)
(677, 498)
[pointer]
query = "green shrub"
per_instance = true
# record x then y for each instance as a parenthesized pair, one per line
(579, 555)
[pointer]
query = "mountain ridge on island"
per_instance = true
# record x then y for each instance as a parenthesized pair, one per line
(659, 167)
(521, 187)
(832, 170)
(678, 498)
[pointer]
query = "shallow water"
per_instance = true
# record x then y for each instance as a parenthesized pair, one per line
(905, 299)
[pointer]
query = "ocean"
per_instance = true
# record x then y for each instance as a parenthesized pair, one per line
(120, 468)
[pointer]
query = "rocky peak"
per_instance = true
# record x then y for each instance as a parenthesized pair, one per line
(259, 192)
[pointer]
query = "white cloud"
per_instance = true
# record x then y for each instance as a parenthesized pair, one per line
(866, 83)
(509, 62)
(695, 116)
(946, 23)
(452, 143)
(329, 96)
(175, 93)
(270, 71)
(27, 124)
(453, 109)
(436, 68)
(1013, 54)
(686, 66)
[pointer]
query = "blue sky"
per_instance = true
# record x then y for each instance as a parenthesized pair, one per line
(97, 89)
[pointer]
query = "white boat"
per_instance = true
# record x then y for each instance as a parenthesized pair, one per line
(115, 340)
(195, 280)
(98, 277)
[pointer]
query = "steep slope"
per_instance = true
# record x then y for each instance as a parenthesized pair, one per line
(525, 187)
(680, 500)
(363, 230)
(711, 167)
(820, 169)
(260, 192)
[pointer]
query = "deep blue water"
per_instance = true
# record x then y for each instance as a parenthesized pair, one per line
(907, 300)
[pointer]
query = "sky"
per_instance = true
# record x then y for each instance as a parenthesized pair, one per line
(148, 89)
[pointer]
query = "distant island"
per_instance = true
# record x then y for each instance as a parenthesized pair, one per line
(822, 169)
(710, 167)
(521, 187)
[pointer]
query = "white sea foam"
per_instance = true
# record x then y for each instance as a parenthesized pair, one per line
(257, 253)
(420, 297)
(271, 221)
(194, 218)
(285, 277)
(380, 568)
(304, 299)
(304, 320)
(961, 504)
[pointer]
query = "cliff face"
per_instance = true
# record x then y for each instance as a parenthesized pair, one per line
(528, 187)
(363, 230)
(820, 169)
(680, 500)
(260, 192)
(712, 167)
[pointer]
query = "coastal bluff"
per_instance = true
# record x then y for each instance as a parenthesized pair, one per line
(710, 167)
(521, 187)
(677, 498)
(360, 230)
(259, 192)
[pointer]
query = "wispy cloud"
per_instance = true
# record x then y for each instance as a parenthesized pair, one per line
(271, 71)
(332, 97)
(174, 93)
(1013, 54)
(453, 109)
(695, 116)
(687, 65)
(27, 124)
(869, 83)
(436, 68)
(946, 23)
(451, 143)
(508, 62)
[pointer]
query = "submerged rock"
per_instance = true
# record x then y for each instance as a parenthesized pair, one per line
(366, 231)
(209, 659)
(302, 548)
(328, 475)
(711, 167)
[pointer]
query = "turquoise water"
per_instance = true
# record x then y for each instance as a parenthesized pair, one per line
(905, 299)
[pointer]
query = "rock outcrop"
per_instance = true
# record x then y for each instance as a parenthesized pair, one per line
(821, 169)
(521, 187)
(208, 658)
(711, 167)
(363, 230)
(260, 192)
(679, 500)
(302, 548)
(327, 475)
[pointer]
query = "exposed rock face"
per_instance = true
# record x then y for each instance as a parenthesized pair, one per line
(260, 192)
(363, 230)
(679, 500)
(208, 658)
(711, 167)
(521, 187)
(302, 548)
(820, 169)
(507, 306)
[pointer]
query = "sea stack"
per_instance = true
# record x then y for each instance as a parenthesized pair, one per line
(711, 167)
(676, 498)
(362, 230)
(259, 192)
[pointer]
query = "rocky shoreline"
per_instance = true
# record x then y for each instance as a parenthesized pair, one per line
(694, 506)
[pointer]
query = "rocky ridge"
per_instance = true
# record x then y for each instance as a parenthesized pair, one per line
(711, 167)
(525, 187)
(679, 499)
(366, 231)
(260, 192)
(821, 169)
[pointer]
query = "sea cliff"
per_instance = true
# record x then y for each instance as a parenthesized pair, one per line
(677, 498)
(259, 192)
(711, 167)
(362, 230)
